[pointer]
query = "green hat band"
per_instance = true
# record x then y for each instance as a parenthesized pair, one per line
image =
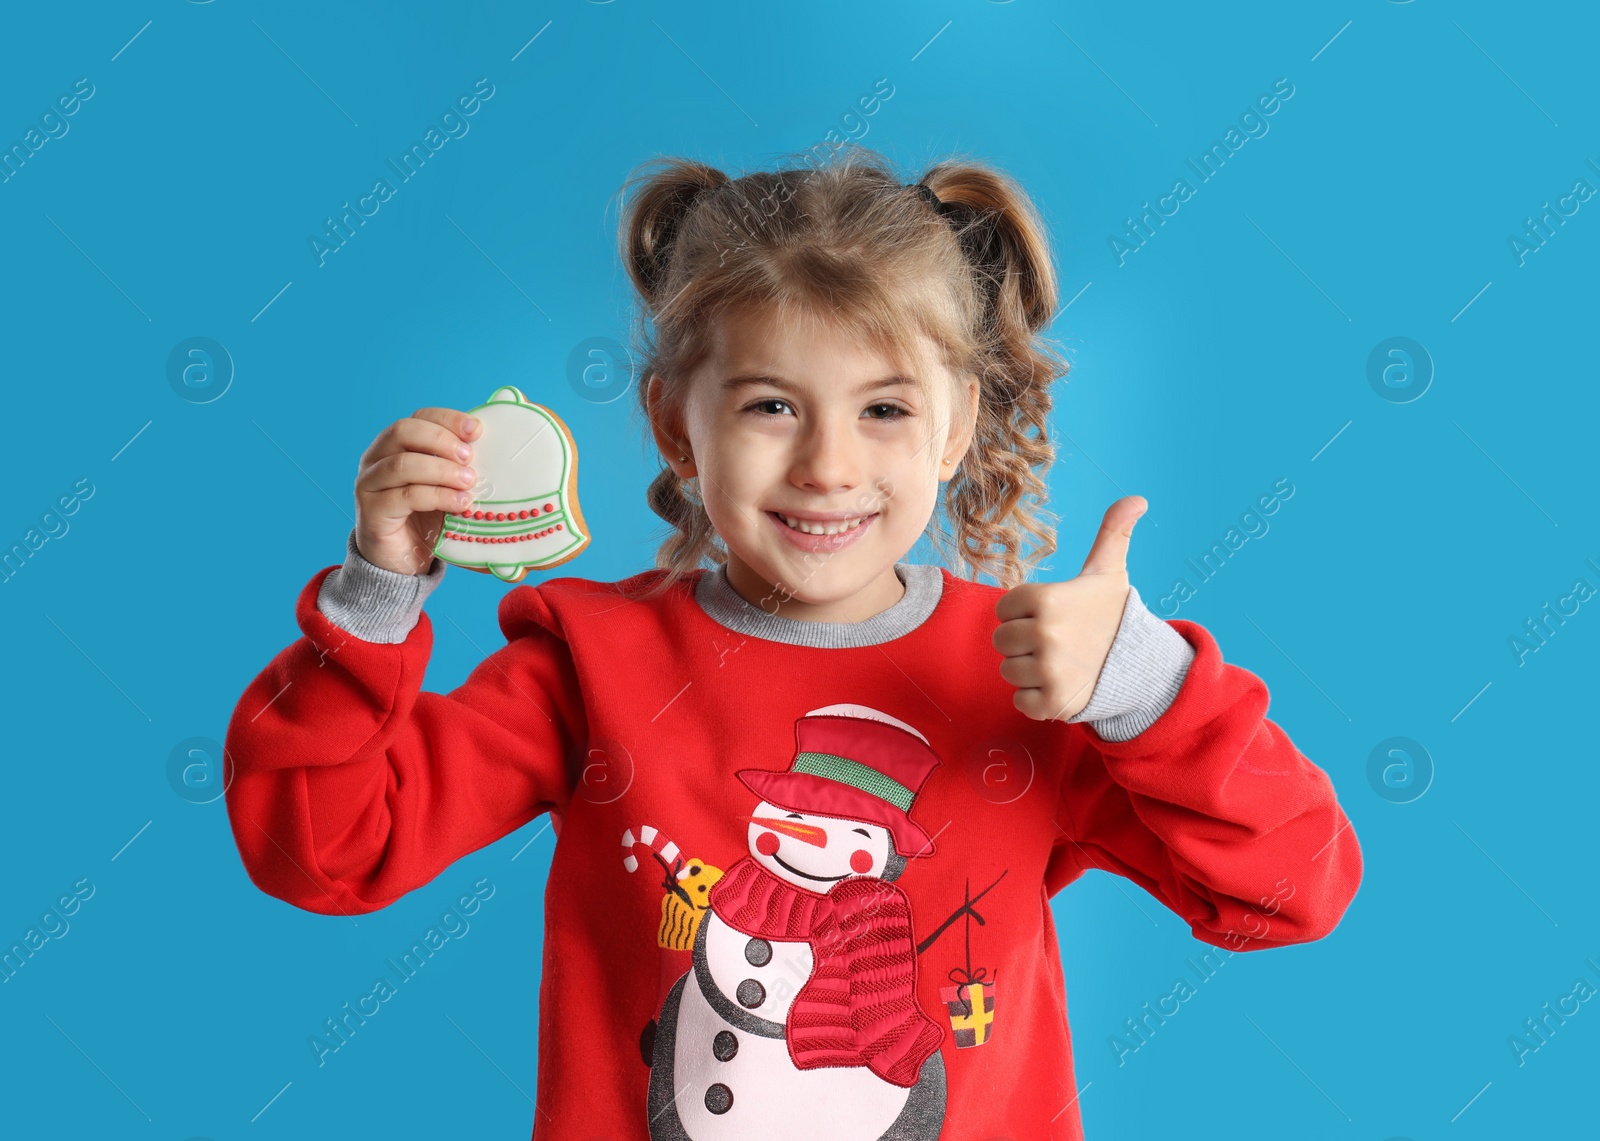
(856, 775)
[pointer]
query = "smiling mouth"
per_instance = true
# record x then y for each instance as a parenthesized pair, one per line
(817, 526)
(790, 867)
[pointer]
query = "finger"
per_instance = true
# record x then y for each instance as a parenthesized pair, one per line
(414, 435)
(1031, 702)
(1045, 703)
(413, 467)
(432, 437)
(1019, 602)
(400, 502)
(463, 425)
(1016, 636)
(1109, 554)
(1023, 671)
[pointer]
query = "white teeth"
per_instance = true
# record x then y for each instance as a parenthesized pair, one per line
(817, 528)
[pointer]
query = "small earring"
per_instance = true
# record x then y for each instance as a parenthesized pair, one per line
(947, 460)
(682, 459)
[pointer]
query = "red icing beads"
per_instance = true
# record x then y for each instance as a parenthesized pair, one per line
(513, 516)
(505, 516)
(459, 537)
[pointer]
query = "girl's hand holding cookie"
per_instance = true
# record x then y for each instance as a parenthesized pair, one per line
(1055, 635)
(416, 470)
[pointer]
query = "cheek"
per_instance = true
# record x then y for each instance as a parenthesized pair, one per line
(767, 844)
(860, 861)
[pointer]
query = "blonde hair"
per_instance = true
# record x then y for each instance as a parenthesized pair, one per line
(851, 241)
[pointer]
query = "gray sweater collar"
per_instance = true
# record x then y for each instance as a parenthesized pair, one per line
(924, 585)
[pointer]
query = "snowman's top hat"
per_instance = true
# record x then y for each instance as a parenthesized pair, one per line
(857, 763)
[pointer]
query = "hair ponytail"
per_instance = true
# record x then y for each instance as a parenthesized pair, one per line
(656, 216)
(996, 500)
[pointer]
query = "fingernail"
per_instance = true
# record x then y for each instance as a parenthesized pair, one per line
(463, 499)
(466, 475)
(471, 425)
(463, 452)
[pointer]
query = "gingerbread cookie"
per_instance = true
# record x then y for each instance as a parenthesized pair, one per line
(524, 512)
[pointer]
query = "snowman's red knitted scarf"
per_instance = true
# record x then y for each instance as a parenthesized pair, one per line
(859, 1007)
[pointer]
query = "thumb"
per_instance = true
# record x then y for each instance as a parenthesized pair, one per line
(1109, 555)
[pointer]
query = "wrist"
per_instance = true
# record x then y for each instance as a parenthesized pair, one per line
(1142, 674)
(372, 602)
(397, 554)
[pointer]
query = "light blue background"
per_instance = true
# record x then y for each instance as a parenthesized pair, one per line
(1223, 356)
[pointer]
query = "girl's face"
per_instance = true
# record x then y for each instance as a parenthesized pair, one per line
(819, 462)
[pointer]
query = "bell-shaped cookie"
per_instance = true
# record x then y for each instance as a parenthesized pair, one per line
(524, 511)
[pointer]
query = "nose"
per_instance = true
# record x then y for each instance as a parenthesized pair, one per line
(809, 833)
(827, 460)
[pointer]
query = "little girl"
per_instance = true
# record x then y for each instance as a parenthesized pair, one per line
(811, 801)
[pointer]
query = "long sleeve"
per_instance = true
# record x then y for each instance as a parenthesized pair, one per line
(352, 786)
(1214, 811)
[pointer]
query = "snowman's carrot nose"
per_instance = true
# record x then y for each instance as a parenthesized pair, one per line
(809, 833)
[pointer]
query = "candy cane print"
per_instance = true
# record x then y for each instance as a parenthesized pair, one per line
(657, 841)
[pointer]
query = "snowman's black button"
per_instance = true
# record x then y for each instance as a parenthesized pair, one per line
(758, 952)
(724, 1046)
(719, 1099)
(751, 994)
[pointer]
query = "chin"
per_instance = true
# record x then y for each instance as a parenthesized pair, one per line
(831, 580)
(803, 584)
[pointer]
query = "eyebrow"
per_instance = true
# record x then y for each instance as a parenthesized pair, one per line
(754, 380)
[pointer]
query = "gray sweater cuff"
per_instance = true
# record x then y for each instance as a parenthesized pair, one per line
(374, 604)
(1142, 675)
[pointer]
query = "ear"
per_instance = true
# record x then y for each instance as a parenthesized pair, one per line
(960, 439)
(668, 431)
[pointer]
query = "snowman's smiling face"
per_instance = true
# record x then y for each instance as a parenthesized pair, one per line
(815, 852)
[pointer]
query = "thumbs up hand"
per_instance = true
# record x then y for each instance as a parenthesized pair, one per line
(1055, 635)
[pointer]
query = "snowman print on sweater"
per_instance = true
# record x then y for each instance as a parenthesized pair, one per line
(799, 1017)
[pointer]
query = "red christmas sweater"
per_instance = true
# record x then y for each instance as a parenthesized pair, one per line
(698, 993)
